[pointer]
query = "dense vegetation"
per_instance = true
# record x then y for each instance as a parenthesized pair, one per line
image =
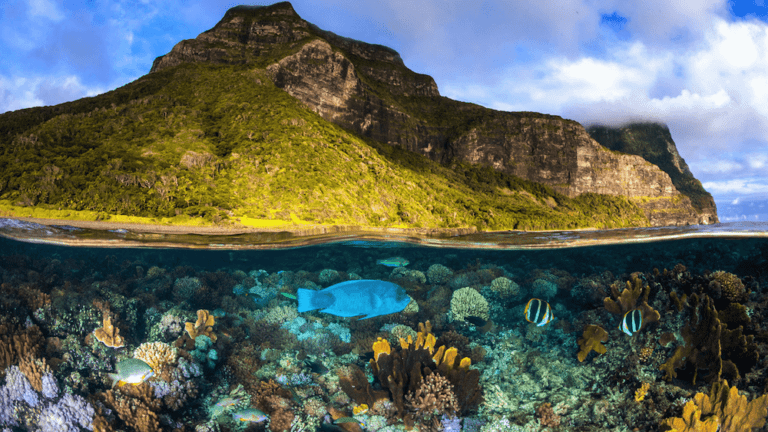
(222, 142)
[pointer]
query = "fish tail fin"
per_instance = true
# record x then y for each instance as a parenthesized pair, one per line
(114, 379)
(305, 298)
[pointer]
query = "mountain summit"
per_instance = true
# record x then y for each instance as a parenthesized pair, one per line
(267, 118)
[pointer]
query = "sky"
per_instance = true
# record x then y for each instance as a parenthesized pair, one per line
(699, 66)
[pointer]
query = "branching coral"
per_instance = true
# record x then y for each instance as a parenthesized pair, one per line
(723, 409)
(136, 412)
(402, 371)
(547, 416)
(468, 302)
(156, 354)
(16, 344)
(433, 396)
(108, 334)
(203, 325)
(591, 340)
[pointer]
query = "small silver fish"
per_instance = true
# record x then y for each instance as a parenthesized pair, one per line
(131, 371)
(251, 415)
(227, 402)
(393, 262)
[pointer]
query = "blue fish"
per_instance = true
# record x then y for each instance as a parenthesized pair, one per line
(632, 322)
(538, 312)
(354, 298)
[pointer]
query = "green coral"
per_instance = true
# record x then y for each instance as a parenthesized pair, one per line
(468, 302)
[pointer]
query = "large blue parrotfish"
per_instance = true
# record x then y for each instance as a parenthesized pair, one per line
(355, 298)
(538, 312)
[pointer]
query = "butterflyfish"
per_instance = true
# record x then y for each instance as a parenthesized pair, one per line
(538, 312)
(631, 322)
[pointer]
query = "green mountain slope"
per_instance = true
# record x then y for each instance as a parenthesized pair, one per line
(221, 142)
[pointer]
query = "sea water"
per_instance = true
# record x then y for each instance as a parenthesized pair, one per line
(216, 316)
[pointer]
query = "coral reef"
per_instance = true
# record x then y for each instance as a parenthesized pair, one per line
(438, 274)
(630, 299)
(108, 334)
(203, 325)
(591, 340)
(157, 355)
(468, 302)
(723, 409)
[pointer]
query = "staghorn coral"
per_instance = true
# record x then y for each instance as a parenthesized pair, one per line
(157, 355)
(629, 299)
(468, 302)
(723, 409)
(591, 340)
(108, 334)
(203, 325)
(16, 343)
(135, 412)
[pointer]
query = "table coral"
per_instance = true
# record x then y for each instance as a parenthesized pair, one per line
(108, 334)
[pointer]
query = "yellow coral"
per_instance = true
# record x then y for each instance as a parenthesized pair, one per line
(381, 346)
(723, 408)
(360, 409)
(156, 354)
(641, 392)
(591, 340)
(203, 326)
(108, 334)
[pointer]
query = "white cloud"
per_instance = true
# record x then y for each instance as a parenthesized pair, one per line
(737, 187)
(717, 167)
(45, 8)
(19, 92)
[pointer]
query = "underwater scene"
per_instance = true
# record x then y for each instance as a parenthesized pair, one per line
(370, 335)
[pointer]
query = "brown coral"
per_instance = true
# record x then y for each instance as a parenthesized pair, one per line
(203, 325)
(136, 412)
(722, 409)
(108, 334)
(434, 396)
(547, 416)
(591, 340)
(34, 369)
(629, 299)
(17, 343)
(728, 285)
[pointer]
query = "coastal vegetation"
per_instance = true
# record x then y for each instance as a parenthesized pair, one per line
(201, 143)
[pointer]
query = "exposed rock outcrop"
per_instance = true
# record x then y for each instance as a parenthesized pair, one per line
(368, 89)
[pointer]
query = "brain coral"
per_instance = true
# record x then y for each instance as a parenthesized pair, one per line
(729, 285)
(505, 287)
(438, 274)
(468, 302)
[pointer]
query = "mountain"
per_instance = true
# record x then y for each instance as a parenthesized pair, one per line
(653, 142)
(266, 117)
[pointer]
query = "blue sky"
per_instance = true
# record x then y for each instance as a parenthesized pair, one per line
(701, 67)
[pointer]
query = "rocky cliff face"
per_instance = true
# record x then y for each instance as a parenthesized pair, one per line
(653, 142)
(368, 89)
